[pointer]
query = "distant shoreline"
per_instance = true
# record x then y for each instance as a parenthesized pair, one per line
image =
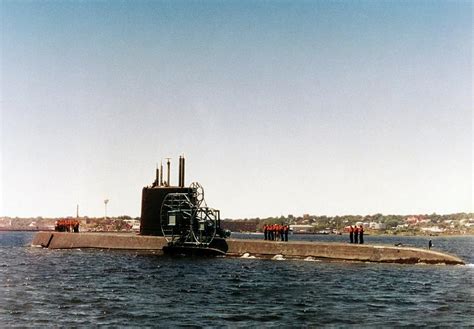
(4, 229)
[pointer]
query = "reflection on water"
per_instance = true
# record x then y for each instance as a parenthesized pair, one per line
(95, 287)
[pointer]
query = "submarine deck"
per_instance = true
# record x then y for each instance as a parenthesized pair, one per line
(261, 248)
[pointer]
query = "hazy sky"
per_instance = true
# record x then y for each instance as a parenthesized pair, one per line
(280, 107)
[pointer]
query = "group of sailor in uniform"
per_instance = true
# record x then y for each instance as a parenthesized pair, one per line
(276, 232)
(356, 234)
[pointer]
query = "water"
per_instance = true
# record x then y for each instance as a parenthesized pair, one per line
(83, 288)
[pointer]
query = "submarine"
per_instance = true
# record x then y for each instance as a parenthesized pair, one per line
(176, 220)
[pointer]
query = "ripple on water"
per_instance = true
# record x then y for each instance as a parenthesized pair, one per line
(91, 288)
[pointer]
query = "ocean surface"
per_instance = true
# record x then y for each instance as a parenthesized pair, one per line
(84, 288)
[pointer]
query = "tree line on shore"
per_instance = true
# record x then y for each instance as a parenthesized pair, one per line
(339, 222)
(317, 222)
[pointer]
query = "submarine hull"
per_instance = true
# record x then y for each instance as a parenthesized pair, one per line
(260, 248)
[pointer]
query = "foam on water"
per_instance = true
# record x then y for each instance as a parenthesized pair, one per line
(278, 257)
(311, 259)
(247, 255)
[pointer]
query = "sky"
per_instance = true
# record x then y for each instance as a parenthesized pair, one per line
(280, 107)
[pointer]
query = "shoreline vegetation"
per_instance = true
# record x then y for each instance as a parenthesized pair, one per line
(377, 224)
(404, 225)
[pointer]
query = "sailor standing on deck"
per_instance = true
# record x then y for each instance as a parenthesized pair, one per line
(361, 234)
(351, 234)
(356, 234)
(265, 231)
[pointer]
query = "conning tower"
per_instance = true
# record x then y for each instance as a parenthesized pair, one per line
(181, 215)
(154, 195)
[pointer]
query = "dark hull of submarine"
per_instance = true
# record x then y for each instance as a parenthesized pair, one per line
(258, 248)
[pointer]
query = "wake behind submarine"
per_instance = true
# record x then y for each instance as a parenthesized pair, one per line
(176, 220)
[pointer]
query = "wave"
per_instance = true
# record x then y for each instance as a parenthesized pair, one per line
(311, 259)
(247, 255)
